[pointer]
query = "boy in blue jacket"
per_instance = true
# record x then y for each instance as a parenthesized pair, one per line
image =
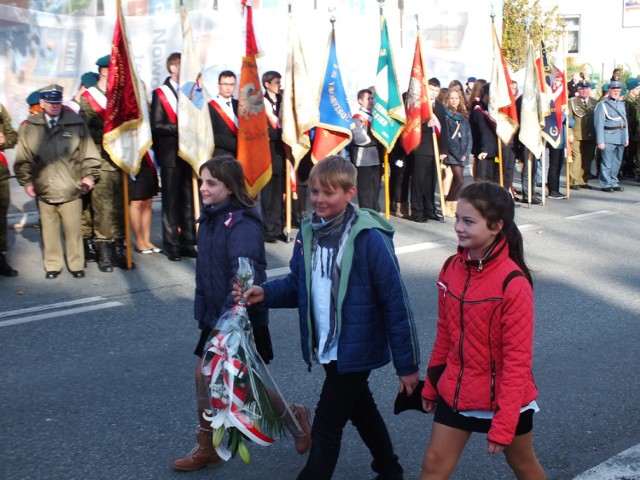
(354, 316)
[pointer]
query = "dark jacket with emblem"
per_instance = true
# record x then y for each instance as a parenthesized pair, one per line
(225, 139)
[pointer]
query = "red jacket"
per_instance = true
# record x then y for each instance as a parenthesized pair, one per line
(483, 351)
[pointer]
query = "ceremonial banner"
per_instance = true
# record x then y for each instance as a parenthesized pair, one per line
(195, 133)
(333, 132)
(388, 116)
(417, 103)
(502, 105)
(559, 85)
(299, 102)
(127, 131)
(552, 130)
(531, 111)
(253, 135)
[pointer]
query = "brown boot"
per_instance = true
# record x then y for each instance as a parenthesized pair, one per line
(202, 455)
(302, 413)
(405, 209)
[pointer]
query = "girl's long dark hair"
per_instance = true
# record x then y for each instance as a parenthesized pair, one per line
(229, 171)
(494, 203)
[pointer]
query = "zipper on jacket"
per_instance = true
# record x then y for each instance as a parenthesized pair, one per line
(461, 340)
(493, 381)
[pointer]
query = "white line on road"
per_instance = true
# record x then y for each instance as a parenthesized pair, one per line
(416, 247)
(60, 313)
(590, 214)
(51, 306)
(625, 465)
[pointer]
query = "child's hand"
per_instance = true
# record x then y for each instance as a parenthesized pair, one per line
(429, 406)
(494, 447)
(408, 383)
(253, 295)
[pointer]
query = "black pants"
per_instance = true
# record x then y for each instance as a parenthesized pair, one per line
(347, 397)
(423, 185)
(556, 159)
(178, 223)
(272, 206)
(369, 187)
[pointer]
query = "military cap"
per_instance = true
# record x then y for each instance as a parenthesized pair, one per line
(33, 98)
(632, 83)
(615, 84)
(89, 79)
(583, 84)
(471, 79)
(103, 62)
(51, 93)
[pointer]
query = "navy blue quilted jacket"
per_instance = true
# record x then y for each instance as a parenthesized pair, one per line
(225, 234)
(374, 317)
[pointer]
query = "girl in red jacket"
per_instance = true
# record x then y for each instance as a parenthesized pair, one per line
(479, 375)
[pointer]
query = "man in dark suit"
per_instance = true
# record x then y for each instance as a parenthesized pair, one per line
(224, 120)
(178, 223)
(424, 176)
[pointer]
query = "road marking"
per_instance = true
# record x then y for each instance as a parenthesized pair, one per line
(51, 306)
(416, 247)
(625, 465)
(528, 226)
(61, 313)
(590, 214)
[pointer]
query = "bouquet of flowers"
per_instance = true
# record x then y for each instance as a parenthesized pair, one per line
(244, 402)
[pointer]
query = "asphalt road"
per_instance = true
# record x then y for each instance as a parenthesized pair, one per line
(102, 387)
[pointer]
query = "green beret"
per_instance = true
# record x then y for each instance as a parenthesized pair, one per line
(103, 62)
(605, 88)
(89, 79)
(33, 98)
(632, 83)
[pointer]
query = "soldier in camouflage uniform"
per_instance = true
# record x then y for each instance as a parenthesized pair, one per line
(8, 139)
(106, 219)
(632, 152)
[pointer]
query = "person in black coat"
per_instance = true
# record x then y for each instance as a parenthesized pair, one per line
(178, 222)
(485, 140)
(224, 116)
(424, 175)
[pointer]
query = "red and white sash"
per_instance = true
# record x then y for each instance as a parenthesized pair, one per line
(169, 102)
(3, 160)
(274, 121)
(97, 100)
(231, 123)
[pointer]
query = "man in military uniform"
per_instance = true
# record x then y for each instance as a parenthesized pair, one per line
(581, 136)
(612, 135)
(8, 139)
(106, 201)
(57, 162)
(632, 105)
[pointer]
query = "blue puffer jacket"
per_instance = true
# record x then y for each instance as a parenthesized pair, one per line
(225, 234)
(374, 319)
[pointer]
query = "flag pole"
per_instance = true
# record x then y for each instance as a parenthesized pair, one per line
(387, 197)
(127, 230)
(499, 141)
(287, 163)
(436, 148)
(567, 144)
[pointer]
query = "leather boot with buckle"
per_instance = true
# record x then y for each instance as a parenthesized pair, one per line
(90, 252)
(203, 454)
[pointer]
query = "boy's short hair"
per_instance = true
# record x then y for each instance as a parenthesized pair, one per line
(270, 76)
(363, 92)
(336, 172)
(173, 59)
(225, 74)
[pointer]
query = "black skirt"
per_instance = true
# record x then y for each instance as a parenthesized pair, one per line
(446, 416)
(261, 335)
(145, 185)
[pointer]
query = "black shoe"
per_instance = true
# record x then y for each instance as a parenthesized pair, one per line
(557, 195)
(174, 257)
(607, 190)
(5, 268)
(189, 251)
(270, 239)
(438, 217)
(618, 189)
(419, 219)
(77, 274)
(50, 275)
(575, 187)
(535, 200)
(586, 186)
